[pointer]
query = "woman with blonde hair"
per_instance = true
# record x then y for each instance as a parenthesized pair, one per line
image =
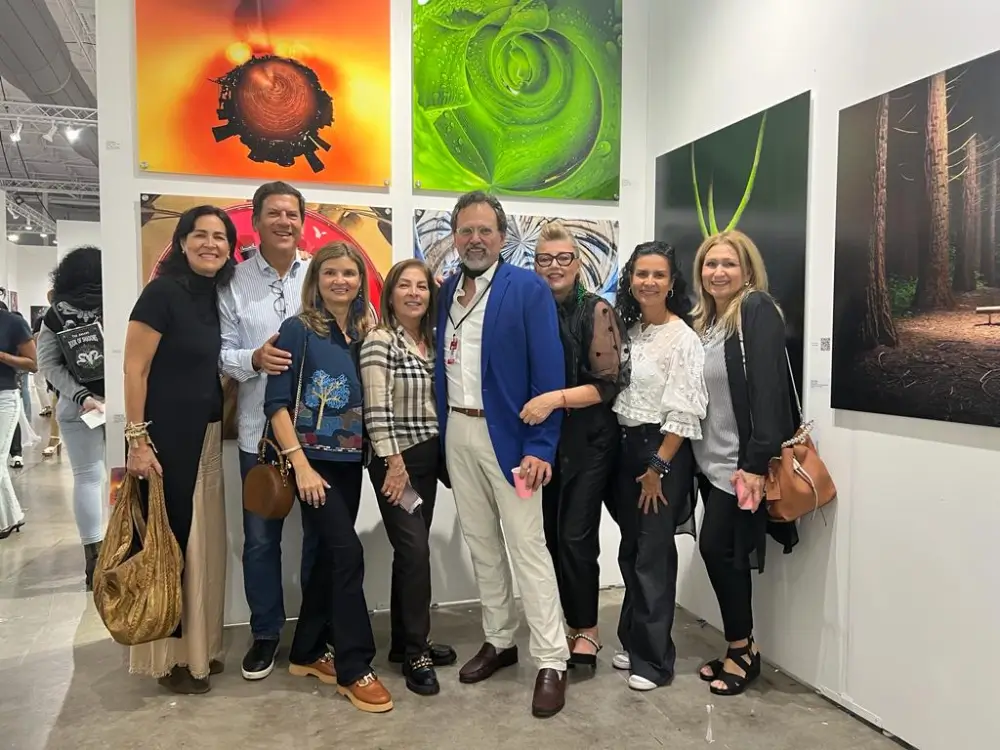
(594, 343)
(397, 368)
(314, 409)
(749, 415)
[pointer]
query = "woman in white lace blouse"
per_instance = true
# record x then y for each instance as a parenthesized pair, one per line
(659, 413)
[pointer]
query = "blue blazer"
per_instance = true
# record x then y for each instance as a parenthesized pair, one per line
(522, 357)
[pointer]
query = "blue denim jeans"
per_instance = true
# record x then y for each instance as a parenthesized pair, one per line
(90, 493)
(262, 565)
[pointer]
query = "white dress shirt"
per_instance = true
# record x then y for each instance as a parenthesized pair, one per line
(463, 365)
(252, 308)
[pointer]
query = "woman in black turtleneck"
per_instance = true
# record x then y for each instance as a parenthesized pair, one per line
(173, 410)
(593, 340)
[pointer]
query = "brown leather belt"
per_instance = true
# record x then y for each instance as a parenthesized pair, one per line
(475, 413)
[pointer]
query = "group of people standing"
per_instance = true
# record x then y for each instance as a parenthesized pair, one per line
(534, 400)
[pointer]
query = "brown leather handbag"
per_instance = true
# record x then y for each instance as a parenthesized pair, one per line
(269, 489)
(798, 482)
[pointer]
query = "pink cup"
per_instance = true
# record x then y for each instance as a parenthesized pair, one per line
(523, 491)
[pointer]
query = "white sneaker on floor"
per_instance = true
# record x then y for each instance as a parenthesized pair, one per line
(635, 682)
(621, 661)
(16, 462)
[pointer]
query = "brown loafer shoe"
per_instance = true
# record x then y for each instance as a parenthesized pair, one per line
(550, 693)
(322, 669)
(486, 663)
(181, 682)
(368, 694)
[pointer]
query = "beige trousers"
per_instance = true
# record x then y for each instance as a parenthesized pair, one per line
(491, 514)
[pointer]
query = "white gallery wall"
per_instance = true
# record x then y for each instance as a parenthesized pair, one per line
(891, 607)
(122, 184)
(32, 265)
(70, 234)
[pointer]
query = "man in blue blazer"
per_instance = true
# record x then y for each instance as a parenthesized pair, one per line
(498, 346)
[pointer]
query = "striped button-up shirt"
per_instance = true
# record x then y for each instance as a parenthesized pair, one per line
(251, 309)
(399, 408)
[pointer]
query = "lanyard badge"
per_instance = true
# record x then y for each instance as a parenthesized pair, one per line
(452, 357)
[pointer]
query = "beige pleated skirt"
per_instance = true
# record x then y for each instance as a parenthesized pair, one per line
(203, 583)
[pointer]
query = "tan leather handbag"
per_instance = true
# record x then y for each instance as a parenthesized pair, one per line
(138, 596)
(797, 482)
(269, 489)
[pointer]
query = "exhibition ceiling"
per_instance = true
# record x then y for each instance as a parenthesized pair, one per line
(48, 167)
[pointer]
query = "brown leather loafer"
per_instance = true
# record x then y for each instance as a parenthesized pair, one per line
(550, 693)
(486, 662)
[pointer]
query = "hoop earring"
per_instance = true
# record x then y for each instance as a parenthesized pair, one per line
(670, 293)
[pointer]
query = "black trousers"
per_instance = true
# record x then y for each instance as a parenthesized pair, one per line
(409, 535)
(571, 512)
(730, 581)
(648, 554)
(335, 591)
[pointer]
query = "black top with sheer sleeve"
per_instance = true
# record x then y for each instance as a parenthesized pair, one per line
(595, 343)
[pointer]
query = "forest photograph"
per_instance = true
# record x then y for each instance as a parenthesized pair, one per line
(753, 176)
(916, 284)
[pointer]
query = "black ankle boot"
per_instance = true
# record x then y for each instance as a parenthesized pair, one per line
(90, 553)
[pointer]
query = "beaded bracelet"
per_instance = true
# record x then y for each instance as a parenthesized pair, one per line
(658, 465)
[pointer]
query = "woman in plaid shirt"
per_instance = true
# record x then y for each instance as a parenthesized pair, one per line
(397, 369)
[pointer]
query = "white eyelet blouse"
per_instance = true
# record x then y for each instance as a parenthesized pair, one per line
(667, 385)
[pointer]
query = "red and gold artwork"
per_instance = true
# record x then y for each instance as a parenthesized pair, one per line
(264, 89)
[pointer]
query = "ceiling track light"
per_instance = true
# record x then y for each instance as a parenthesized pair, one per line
(72, 133)
(16, 135)
(50, 136)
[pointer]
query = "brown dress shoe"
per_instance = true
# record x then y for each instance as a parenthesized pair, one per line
(550, 693)
(486, 662)
(322, 669)
(368, 694)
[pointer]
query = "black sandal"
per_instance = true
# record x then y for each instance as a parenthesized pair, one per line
(583, 660)
(736, 684)
(715, 665)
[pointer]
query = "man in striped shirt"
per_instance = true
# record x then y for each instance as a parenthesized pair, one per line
(265, 290)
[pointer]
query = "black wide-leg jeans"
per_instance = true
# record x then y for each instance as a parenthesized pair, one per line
(571, 510)
(335, 591)
(648, 552)
(409, 535)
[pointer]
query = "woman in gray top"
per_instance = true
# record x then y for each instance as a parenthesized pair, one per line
(749, 415)
(77, 375)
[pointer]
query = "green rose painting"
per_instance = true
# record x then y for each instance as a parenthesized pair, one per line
(518, 97)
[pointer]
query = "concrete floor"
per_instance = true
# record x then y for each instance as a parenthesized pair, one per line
(63, 684)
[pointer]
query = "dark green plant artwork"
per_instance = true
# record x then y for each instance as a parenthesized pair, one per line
(518, 97)
(752, 176)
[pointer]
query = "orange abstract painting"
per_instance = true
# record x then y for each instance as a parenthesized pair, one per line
(265, 89)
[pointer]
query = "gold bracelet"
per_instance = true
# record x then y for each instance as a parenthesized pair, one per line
(289, 451)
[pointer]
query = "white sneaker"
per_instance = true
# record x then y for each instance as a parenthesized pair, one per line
(16, 462)
(635, 682)
(621, 661)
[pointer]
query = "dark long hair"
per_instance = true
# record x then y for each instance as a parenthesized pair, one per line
(388, 315)
(80, 268)
(678, 302)
(176, 263)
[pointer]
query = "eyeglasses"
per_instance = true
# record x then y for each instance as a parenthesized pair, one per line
(544, 260)
(280, 306)
(466, 232)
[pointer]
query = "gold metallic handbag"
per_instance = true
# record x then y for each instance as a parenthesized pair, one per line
(138, 595)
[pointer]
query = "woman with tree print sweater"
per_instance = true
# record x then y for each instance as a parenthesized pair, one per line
(319, 429)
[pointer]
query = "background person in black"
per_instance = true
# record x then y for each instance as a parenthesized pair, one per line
(17, 352)
(77, 300)
(593, 339)
(173, 408)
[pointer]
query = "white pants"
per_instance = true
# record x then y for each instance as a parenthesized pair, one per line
(10, 410)
(491, 514)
